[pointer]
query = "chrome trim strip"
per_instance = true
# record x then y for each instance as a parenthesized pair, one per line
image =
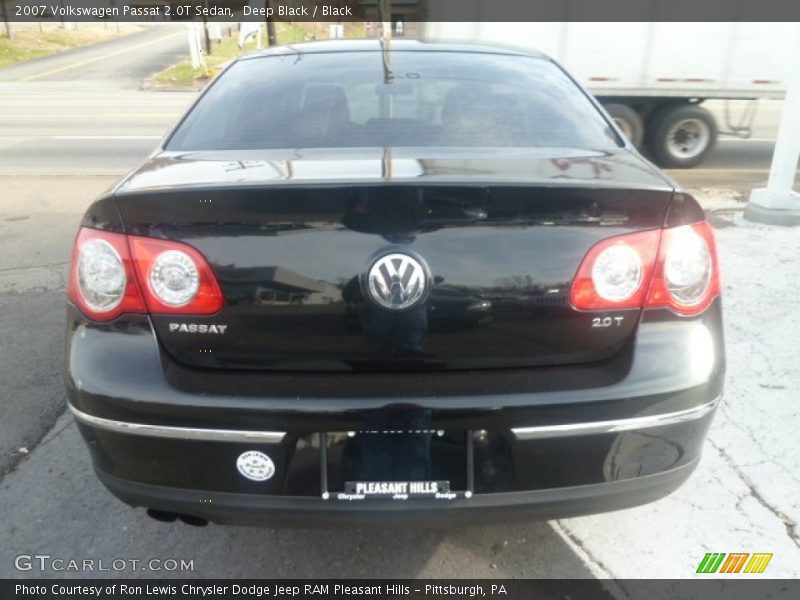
(596, 427)
(178, 433)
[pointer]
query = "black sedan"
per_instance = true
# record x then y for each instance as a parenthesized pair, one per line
(390, 281)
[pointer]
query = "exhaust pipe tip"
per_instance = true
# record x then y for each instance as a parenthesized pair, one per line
(193, 521)
(162, 515)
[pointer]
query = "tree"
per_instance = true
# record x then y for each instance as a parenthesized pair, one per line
(5, 18)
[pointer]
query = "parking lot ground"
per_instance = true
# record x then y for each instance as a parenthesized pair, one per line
(38, 221)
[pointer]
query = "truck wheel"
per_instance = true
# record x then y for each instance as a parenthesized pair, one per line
(682, 136)
(628, 120)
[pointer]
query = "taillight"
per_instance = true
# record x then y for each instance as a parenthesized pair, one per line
(686, 278)
(101, 279)
(616, 272)
(672, 268)
(175, 278)
(112, 274)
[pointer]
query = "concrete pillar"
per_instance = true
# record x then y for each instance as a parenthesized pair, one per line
(777, 204)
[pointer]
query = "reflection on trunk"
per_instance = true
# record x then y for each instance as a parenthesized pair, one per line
(292, 262)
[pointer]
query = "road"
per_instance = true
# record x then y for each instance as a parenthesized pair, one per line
(69, 127)
(121, 62)
(737, 164)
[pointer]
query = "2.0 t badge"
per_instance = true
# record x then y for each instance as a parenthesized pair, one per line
(397, 281)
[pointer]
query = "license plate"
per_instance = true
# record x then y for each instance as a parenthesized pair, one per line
(395, 465)
(398, 490)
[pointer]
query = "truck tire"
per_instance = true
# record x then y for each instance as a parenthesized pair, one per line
(628, 120)
(682, 136)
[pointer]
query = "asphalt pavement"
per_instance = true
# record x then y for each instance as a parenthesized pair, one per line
(70, 126)
(737, 163)
(122, 62)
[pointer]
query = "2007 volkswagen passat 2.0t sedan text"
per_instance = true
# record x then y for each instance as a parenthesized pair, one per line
(362, 282)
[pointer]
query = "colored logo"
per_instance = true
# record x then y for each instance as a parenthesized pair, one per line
(736, 562)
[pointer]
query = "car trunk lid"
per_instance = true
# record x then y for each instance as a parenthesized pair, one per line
(291, 243)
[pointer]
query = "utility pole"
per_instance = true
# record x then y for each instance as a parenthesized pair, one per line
(385, 16)
(272, 38)
(205, 29)
(5, 19)
(777, 204)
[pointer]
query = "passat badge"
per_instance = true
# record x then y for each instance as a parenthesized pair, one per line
(397, 281)
(197, 328)
(255, 465)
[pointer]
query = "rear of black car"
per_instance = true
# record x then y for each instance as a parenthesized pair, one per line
(425, 282)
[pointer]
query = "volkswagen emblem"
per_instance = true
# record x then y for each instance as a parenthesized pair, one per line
(397, 281)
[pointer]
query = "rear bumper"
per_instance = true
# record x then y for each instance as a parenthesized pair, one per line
(545, 442)
(249, 509)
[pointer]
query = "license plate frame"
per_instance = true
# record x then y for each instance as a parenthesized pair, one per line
(398, 490)
(443, 480)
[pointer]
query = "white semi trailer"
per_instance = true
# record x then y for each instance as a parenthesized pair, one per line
(653, 77)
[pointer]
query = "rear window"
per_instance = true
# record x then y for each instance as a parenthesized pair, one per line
(359, 99)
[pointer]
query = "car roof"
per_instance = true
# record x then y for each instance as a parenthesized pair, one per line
(374, 45)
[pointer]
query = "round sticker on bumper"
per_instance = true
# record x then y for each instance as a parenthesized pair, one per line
(255, 465)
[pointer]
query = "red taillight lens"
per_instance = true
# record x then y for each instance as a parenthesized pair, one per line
(616, 272)
(175, 278)
(102, 283)
(673, 268)
(686, 278)
(112, 274)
